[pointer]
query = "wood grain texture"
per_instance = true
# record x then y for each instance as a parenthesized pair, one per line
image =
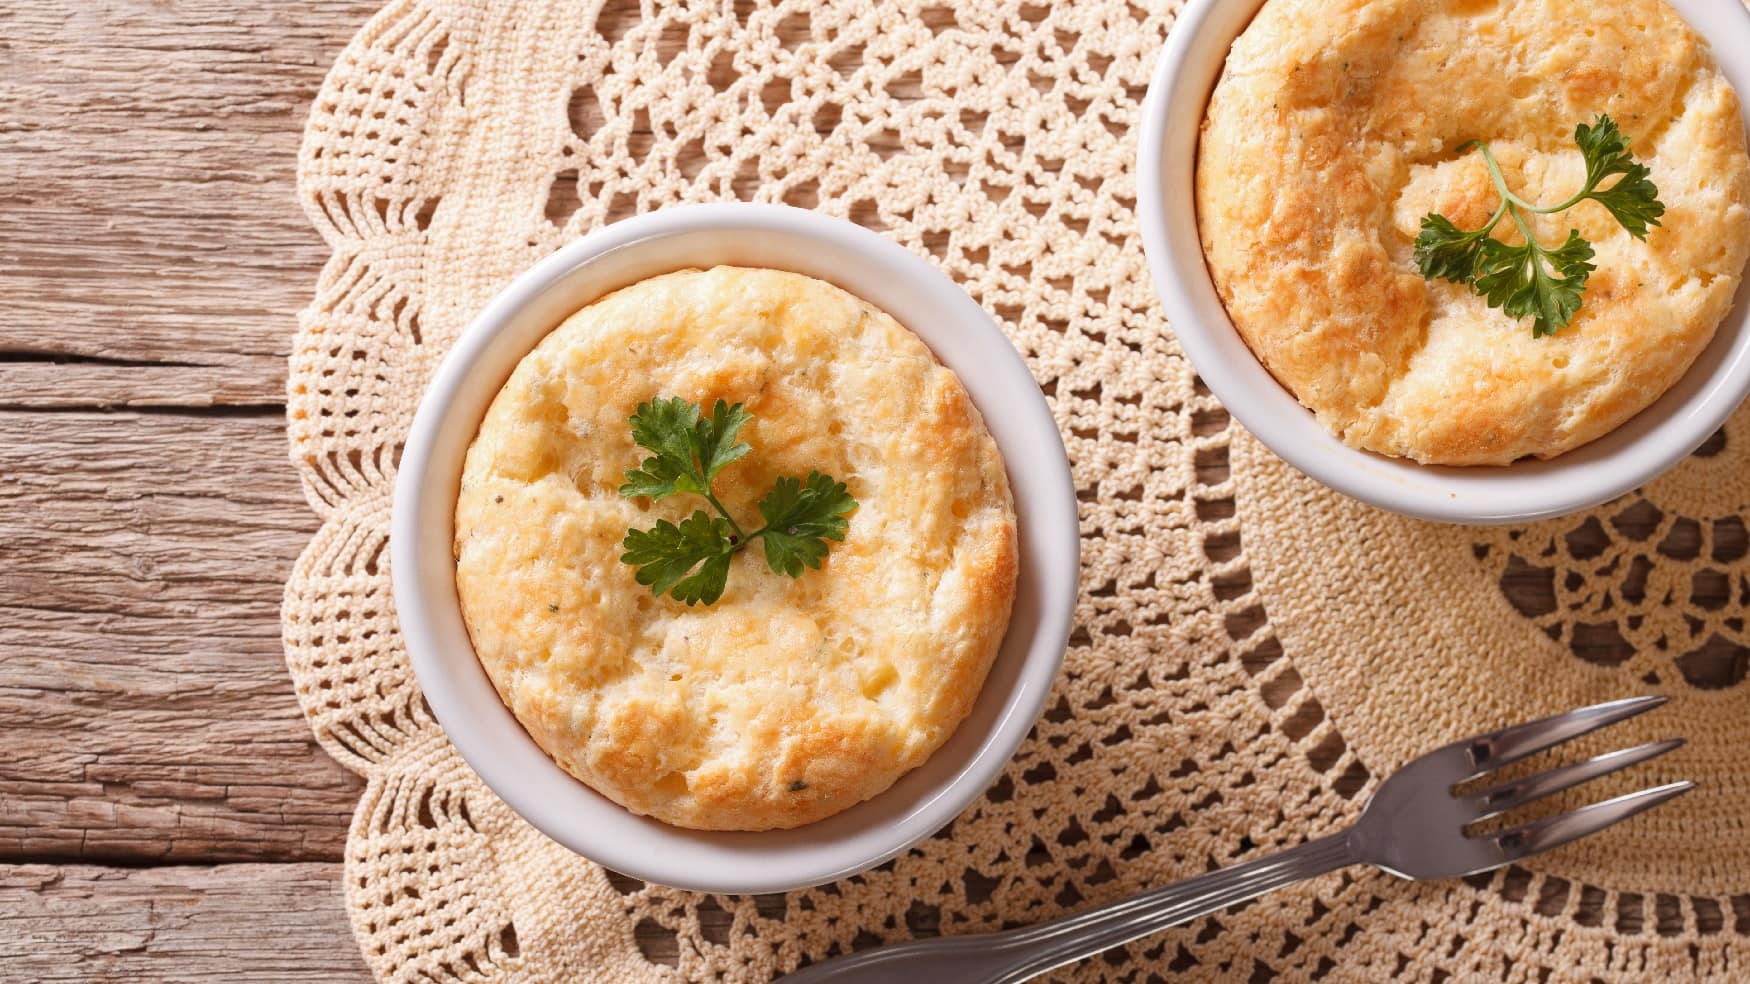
(143, 692)
(237, 922)
(147, 199)
(53, 383)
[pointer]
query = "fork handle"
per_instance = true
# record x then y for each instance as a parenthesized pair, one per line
(1019, 954)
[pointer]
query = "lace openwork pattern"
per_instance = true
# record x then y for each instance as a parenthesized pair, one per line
(457, 141)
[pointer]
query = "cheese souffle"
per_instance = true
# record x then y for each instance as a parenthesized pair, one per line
(790, 698)
(1338, 125)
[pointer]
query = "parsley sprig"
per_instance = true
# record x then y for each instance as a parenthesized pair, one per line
(690, 561)
(1530, 279)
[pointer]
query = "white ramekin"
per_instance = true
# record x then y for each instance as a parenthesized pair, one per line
(1632, 455)
(483, 729)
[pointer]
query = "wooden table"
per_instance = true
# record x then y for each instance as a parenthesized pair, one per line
(164, 810)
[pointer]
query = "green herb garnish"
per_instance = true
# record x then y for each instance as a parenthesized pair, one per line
(690, 561)
(1545, 283)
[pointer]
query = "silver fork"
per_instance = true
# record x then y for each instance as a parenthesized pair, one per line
(1414, 827)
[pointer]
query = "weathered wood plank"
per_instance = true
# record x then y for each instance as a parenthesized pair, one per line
(147, 202)
(143, 693)
(235, 922)
(50, 384)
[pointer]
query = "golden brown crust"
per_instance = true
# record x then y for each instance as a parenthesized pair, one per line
(787, 701)
(1337, 125)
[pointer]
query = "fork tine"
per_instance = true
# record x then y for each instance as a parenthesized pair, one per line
(1493, 750)
(1534, 838)
(1512, 795)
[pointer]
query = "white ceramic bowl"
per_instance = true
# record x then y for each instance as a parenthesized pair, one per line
(1630, 456)
(962, 336)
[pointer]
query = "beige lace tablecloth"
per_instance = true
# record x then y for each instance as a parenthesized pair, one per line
(1251, 652)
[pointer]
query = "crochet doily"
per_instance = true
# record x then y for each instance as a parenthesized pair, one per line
(1251, 653)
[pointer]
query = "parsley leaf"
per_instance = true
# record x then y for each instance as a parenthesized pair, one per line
(668, 428)
(1531, 280)
(1519, 281)
(689, 450)
(1444, 250)
(800, 517)
(666, 555)
(716, 438)
(1634, 200)
(690, 562)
